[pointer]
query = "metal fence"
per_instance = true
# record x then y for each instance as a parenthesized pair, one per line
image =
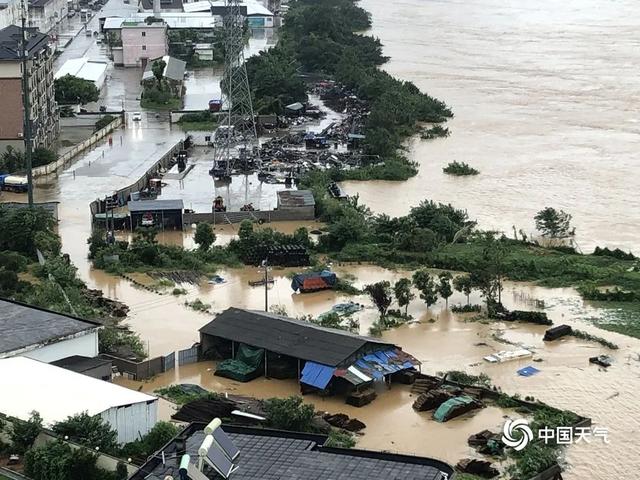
(189, 355)
(169, 362)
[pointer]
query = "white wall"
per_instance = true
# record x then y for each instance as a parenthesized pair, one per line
(85, 345)
(132, 421)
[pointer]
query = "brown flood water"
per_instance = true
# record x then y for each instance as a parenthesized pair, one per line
(546, 99)
(566, 379)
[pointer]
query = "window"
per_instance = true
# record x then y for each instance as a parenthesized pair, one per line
(144, 34)
(144, 47)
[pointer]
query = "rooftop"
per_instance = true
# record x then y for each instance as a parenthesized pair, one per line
(24, 326)
(11, 42)
(270, 454)
(296, 198)
(172, 4)
(253, 8)
(155, 205)
(91, 70)
(57, 393)
(79, 364)
(287, 336)
(172, 20)
(174, 68)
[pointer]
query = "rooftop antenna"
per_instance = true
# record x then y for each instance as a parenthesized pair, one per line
(238, 130)
(26, 103)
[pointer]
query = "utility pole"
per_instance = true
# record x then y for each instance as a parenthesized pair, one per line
(27, 106)
(266, 284)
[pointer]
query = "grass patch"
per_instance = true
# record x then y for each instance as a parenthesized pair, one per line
(198, 305)
(197, 126)
(170, 104)
(179, 395)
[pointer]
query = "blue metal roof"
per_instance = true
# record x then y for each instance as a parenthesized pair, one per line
(316, 374)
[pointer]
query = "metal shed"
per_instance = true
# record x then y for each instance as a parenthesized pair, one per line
(164, 214)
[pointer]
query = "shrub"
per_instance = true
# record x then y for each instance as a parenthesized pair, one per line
(289, 414)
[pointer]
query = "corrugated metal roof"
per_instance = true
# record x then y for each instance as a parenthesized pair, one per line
(22, 326)
(174, 68)
(56, 393)
(296, 198)
(155, 205)
(287, 336)
(317, 375)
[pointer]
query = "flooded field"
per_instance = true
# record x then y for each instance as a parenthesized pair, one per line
(446, 342)
(546, 103)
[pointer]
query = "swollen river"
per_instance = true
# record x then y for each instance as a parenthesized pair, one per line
(546, 101)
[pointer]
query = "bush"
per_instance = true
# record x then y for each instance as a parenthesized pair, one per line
(112, 340)
(340, 439)
(289, 414)
(103, 122)
(466, 308)
(23, 434)
(89, 431)
(459, 169)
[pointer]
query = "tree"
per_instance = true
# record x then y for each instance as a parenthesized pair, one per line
(380, 293)
(444, 286)
(554, 223)
(403, 293)
(204, 236)
(158, 71)
(289, 414)
(73, 90)
(23, 434)
(463, 284)
(423, 281)
(159, 435)
(89, 431)
(58, 461)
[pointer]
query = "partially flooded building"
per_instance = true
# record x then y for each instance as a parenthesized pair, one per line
(253, 343)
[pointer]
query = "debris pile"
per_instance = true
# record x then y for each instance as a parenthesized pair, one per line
(341, 420)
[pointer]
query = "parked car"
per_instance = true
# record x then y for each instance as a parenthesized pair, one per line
(136, 116)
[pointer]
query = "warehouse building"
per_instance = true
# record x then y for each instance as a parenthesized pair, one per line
(163, 214)
(44, 335)
(253, 343)
(56, 394)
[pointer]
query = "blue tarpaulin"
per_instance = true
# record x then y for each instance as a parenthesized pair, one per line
(528, 371)
(316, 374)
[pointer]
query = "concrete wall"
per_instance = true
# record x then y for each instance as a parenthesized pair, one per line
(85, 344)
(290, 215)
(132, 421)
(143, 43)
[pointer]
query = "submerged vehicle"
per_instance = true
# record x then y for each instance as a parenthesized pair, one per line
(14, 183)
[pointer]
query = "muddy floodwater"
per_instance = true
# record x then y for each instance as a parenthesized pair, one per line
(442, 341)
(546, 102)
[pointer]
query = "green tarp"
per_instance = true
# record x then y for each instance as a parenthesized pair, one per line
(454, 407)
(245, 367)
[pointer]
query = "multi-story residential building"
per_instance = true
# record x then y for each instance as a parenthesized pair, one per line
(9, 13)
(46, 14)
(44, 112)
(136, 41)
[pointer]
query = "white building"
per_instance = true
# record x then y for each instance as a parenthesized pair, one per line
(44, 335)
(93, 70)
(45, 15)
(56, 394)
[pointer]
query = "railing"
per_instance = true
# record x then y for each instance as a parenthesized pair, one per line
(66, 158)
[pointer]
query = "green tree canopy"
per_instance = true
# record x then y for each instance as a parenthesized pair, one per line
(423, 281)
(554, 223)
(24, 433)
(381, 295)
(204, 236)
(289, 414)
(72, 90)
(444, 286)
(89, 431)
(403, 293)
(463, 284)
(157, 68)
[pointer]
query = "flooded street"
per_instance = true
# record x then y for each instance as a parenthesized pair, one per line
(545, 98)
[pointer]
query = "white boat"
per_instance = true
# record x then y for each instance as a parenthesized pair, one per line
(506, 356)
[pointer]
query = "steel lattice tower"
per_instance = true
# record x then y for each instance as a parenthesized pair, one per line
(240, 138)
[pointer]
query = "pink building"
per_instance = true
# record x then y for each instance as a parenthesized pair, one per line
(140, 42)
